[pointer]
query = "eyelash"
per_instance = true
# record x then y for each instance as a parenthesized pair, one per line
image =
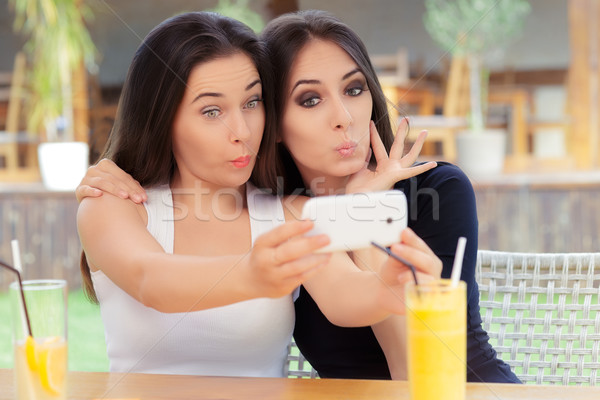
(256, 101)
(246, 106)
(360, 88)
(205, 113)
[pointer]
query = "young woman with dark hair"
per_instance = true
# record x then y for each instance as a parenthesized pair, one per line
(441, 200)
(304, 47)
(199, 279)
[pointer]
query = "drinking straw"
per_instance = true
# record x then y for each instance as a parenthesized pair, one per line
(458, 261)
(24, 308)
(400, 259)
(16, 253)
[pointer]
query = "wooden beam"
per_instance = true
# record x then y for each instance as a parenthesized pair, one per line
(583, 85)
(81, 109)
(529, 77)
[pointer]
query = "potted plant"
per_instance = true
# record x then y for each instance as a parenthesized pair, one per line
(470, 29)
(58, 46)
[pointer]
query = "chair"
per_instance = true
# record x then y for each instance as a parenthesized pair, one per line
(443, 128)
(296, 365)
(456, 107)
(542, 313)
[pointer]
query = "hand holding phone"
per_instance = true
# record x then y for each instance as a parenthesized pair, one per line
(353, 221)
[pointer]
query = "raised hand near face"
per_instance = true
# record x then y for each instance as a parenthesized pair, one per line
(390, 168)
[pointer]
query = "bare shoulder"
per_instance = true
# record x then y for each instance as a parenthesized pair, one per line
(107, 206)
(292, 206)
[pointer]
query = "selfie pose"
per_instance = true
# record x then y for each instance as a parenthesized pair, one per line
(199, 278)
(325, 86)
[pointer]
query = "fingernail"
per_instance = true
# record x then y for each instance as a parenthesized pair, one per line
(397, 247)
(123, 194)
(323, 239)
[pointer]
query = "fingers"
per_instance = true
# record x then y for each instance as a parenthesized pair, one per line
(114, 180)
(416, 170)
(84, 191)
(283, 233)
(409, 237)
(406, 276)
(368, 157)
(106, 183)
(299, 247)
(410, 157)
(283, 258)
(376, 144)
(306, 266)
(398, 146)
(422, 261)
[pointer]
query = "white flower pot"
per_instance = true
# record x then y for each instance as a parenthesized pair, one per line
(482, 154)
(63, 164)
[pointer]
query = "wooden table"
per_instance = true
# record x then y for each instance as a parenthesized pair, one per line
(91, 385)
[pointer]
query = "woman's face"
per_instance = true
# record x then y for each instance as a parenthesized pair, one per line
(325, 124)
(219, 124)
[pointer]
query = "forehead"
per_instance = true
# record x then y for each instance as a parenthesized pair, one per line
(319, 58)
(226, 73)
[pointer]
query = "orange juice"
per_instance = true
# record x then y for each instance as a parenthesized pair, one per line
(437, 344)
(41, 369)
(41, 359)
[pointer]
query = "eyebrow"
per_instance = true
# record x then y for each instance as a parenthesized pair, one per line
(316, 81)
(215, 94)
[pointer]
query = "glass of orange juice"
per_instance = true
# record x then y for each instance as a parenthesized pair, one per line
(436, 315)
(40, 358)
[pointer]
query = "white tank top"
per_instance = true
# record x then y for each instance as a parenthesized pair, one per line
(248, 338)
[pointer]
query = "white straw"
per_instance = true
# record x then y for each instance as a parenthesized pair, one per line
(458, 261)
(16, 253)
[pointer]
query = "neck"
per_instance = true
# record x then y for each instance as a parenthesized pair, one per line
(206, 201)
(326, 185)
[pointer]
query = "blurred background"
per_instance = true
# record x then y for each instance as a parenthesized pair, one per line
(537, 80)
(522, 74)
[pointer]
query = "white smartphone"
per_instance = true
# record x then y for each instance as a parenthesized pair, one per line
(353, 221)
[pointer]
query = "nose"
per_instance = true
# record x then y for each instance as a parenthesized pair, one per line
(239, 131)
(341, 117)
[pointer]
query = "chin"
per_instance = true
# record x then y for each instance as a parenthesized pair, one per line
(350, 167)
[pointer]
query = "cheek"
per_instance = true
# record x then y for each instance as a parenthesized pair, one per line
(258, 127)
(362, 111)
(300, 139)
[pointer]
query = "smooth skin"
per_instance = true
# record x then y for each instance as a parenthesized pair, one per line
(326, 127)
(221, 115)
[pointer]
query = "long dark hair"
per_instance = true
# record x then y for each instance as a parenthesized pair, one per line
(140, 142)
(285, 36)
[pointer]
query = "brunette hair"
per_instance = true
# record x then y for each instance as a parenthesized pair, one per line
(140, 142)
(284, 37)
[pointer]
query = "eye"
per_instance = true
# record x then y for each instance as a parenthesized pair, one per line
(354, 91)
(253, 104)
(310, 102)
(212, 113)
